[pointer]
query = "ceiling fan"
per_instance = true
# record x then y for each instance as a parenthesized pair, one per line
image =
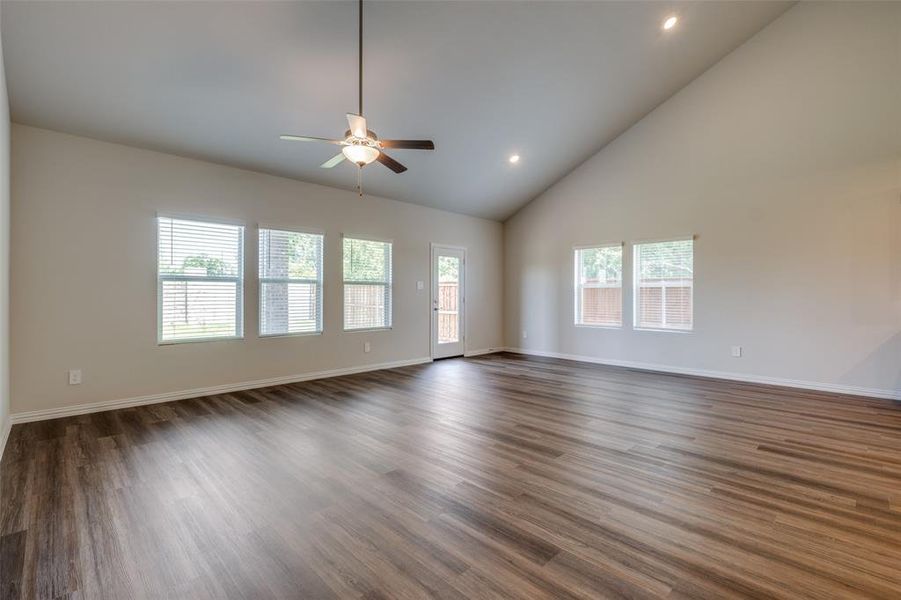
(361, 145)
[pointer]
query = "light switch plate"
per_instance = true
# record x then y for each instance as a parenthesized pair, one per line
(420, 285)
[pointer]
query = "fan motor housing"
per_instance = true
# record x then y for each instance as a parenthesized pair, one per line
(369, 133)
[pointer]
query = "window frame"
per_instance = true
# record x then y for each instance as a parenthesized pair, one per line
(321, 283)
(389, 285)
(577, 287)
(636, 282)
(237, 279)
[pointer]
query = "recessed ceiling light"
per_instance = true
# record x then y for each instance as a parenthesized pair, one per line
(514, 159)
(670, 22)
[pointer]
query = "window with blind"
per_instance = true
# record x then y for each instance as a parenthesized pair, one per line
(290, 282)
(367, 284)
(664, 285)
(599, 285)
(200, 277)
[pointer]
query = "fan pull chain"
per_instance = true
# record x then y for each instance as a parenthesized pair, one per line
(360, 179)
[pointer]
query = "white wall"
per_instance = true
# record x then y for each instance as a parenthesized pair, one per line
(785, 160)
(84, 272)
(4, 255)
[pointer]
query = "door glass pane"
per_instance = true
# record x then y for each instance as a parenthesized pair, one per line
(448, 298)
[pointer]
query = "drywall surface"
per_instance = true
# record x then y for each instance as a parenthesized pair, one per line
(84, 272)
(4, 254)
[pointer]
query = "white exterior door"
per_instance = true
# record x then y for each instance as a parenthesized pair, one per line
(448, 305)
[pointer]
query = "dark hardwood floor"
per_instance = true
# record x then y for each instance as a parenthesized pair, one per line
(495, 477)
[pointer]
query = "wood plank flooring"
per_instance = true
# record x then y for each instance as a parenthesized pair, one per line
(495, 477)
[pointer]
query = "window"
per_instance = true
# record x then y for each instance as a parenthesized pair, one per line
(599, 285)
(367, 284)
(200, 277)
(664, 285)
(290, 282)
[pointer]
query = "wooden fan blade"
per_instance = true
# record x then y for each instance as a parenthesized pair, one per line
(306, 138)
(357, 125)
(335, 160)
(391, 163)
(409, 144)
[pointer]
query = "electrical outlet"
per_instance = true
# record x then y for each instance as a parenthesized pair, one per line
(366, 347)
(525, 334)
(74, 376)
(736, 351)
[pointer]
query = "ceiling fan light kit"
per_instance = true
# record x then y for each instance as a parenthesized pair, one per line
(360, 153)
(360, 145)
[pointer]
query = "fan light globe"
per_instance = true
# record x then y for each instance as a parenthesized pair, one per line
(360, 154)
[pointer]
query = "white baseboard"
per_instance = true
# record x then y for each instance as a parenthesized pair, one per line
(4, 436)
(793, 383)
(469, 353)
(81, 409)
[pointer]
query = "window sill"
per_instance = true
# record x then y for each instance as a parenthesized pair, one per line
(289, 335)
(365, 329)
(587, 326)
(233, 338)
(662, 330)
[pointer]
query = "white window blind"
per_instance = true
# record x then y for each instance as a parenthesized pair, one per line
(664, 285)
(367, 284)
(599, 285)
(290, 282)
(200, 276)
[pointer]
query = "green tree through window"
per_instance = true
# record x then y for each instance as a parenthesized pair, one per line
(214, 266)
(365, 260)
(603, 264)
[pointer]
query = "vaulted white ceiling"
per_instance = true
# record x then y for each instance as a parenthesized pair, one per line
(551, 81)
